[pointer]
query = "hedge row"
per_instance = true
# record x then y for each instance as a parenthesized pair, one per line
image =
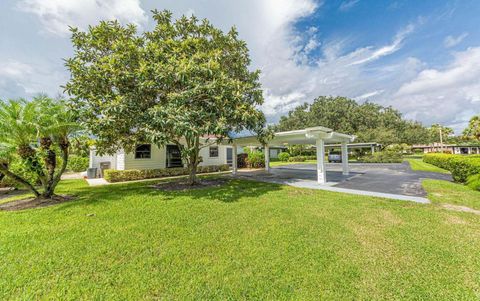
(113, 176)
(382, 157)
(301, 158)
(461, 166)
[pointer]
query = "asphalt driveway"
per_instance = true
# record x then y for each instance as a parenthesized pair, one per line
(395, 179)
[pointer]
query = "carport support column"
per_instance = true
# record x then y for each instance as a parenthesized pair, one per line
(345, 158)
(267, 158)
(234, 159)
(321, 173)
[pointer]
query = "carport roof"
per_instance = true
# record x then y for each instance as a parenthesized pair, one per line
(305, 136)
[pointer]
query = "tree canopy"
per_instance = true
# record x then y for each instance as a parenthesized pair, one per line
(178, 83)
(472, 132)
(368, 121)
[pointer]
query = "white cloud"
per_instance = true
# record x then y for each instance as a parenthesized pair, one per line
(57, 15)
(20, 79)
(14, 69)
(369, 55)
(368, 95)
(347, 5)
(450, 95)
(451, 41)
(290, 74)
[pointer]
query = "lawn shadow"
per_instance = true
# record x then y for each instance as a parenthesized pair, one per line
(230, 191)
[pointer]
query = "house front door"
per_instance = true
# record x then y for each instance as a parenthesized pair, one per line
(174, 158)
(230, 156)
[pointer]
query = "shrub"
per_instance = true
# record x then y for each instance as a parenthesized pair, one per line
(242, 160)
(77, 163)
(473, 182)
(284, 156)
(461, 166)
(18, 167)
(256, 159)
(113, 176)
(297, 159)
(382, 157)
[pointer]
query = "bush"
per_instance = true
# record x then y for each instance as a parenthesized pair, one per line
(297, 159)
(461, 166)
(77, 163)
(18, 167)
(242, 160)
(382, 157)
(113, 176)
(473, 182)
(284, 156)
(255, 159)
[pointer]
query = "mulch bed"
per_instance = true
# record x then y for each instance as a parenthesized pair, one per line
(34, 203)
(182, 185)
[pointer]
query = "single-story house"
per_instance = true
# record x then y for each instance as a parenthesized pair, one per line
(149, 156)
(459, 149)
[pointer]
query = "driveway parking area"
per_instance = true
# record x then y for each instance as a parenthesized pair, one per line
(384, 179)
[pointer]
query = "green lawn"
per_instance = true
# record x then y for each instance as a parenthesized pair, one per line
(444, 192)
(418, 164)
(244, 240)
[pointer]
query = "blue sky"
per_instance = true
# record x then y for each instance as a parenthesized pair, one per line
(422, 57)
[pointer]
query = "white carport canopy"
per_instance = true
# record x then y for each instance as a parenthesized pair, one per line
(317, 136)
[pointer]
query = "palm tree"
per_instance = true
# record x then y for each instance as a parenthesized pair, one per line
(473, 129)
(36, 133)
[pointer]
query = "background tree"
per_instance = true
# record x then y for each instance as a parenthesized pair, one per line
(178, 83)
(36, 133)
(472, 132)
(440, 133)
(368, 121)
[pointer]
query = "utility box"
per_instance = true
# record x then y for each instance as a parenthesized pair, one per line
(103, 167)
(91, 173)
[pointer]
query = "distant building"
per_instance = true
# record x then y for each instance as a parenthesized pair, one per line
(450, 148)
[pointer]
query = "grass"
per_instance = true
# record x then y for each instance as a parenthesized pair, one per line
(444, 192)
(419, 165)
(244, 240)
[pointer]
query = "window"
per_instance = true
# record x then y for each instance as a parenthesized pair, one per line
(143, 151)
(213, 152)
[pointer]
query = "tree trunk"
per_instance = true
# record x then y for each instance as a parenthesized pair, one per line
(50, 161)
(192, 178)
(50, 189)
(19, 180)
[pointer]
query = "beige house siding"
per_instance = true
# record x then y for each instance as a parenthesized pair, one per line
(121, 160)
(125, 161)
(95, 160)
(157, 160)
(207, 160)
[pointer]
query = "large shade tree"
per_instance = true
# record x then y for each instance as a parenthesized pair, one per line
(179, 83)
(36, 133)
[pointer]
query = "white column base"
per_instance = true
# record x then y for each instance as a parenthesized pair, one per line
(267, 158)
(345, 170)
(234, 161)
